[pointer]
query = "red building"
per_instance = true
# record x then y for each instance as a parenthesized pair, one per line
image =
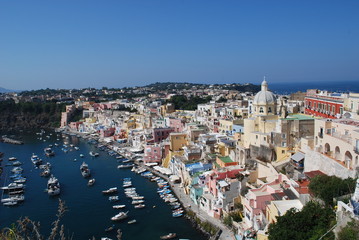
(160, 134)
(324, 104)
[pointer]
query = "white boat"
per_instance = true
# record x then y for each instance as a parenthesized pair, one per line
(132, 221)
(120, 216)
(91, 182)
(16, 198)
(139, 206)
(13, 186)
(76, 148)
(36, 160)
(94, 154)
(125, 166)
(81, 155)
(138, 197)
(10, 203)
(17, 170)
(137, 202)
(118, 206)
(85, 171)
(12, 158)
(110, 190)
(53, 186)
(113, 198)
(49, 152)
(17, 163)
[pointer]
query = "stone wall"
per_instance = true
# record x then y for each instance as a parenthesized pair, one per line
(317, 161)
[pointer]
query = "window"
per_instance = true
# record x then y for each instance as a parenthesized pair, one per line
(333, 109)
(284, 135)
(260, 109)
(283, 151)
(269, 109)
(284, 144)
(264, 138)
(256, 136)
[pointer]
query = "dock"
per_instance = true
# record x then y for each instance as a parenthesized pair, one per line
(11, 141)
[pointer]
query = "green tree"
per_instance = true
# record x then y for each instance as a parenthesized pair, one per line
(329, 187)
(311, 223)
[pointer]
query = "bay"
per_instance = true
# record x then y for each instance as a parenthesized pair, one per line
(89, 211)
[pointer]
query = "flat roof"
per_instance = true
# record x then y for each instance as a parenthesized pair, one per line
(299, 117)
(226, 159)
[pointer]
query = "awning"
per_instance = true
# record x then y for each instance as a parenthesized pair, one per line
(298, 156)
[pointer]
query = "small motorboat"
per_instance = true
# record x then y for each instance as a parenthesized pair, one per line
(118, 206)
(113, 198)
(91, 182)
(110, 190)
(169, 236)
(132, 221)
(110, 228)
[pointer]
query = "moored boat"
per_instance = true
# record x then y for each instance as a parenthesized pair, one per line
(91, 182)
(49, 152)
(85, 171)
(120, 216)
(132, 221)
(169, 236)
(53, 186)
(110, 190)
(118, 206)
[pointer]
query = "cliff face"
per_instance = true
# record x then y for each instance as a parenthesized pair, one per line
(15, 120)
(27, 115)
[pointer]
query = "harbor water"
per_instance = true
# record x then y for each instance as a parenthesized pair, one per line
(89, 211)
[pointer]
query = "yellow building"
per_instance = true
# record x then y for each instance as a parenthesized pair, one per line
(279, 208)
(177, 142)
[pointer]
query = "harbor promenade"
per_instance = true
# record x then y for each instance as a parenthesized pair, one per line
(190, 205)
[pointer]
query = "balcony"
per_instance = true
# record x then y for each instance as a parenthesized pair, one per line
(320, 134)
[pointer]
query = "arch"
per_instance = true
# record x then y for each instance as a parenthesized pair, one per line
(327, 149)
(337, 153)
(348, 158)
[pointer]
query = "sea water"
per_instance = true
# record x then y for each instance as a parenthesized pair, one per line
(89, 211)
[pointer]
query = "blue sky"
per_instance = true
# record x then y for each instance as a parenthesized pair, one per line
(113, 43)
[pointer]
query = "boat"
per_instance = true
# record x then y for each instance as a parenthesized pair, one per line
(53, 186)
(113, 198)
(45, 173)
(10, 203)
(20, 180)
(110, 228)
(76, 148)
(177, 214)
(36, 160)
(139, 206)
(49, 152)
(13, 187)
(134, 202)
(91, 182)
(16, 198)
(132, 221)
(17, 170)
(110, 190)
(120, 216)
(12, 158)
(118, 206)
(94, 154)
(85, 171)
(125, 166)
(17, 163)
(81, 155)
(169, 236)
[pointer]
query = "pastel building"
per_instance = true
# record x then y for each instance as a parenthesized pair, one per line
(152, 153)
(160, 134)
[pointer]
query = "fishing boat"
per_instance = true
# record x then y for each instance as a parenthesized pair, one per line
(110, 190)
(169, 236)
(53, 186)
(85, 171)
(118, 206)
(120, 216)
(91, 182)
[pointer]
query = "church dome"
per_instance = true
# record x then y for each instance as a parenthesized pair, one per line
(264, 97)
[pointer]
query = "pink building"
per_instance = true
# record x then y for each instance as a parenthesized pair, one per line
(107, 132)
(177, 124)
(75, 125)
(256, 200)
(160, 134)
(153, 153)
